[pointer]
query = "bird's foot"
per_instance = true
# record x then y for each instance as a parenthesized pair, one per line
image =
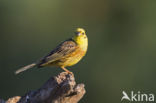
(67, 71)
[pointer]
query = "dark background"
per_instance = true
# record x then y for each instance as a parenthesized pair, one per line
(122, 45)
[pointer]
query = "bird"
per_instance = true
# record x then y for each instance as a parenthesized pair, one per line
(67, 53)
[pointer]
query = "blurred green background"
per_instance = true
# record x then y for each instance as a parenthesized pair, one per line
(122, 45)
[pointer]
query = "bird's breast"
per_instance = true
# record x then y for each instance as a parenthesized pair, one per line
(73, 58)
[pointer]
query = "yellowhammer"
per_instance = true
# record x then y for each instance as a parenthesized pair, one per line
(66, 54)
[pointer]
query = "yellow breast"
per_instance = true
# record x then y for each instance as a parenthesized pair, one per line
(75, 57)
(82, 45)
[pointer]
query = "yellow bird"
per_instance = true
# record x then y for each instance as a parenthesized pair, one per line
(65, 54)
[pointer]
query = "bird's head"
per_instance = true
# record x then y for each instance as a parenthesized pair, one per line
(80, 36)
(80, 32)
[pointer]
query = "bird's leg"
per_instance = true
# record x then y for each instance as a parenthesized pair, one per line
(66, 70)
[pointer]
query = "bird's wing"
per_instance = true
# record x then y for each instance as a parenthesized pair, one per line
(60, 51)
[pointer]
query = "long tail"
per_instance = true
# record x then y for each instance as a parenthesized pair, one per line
(25, 68)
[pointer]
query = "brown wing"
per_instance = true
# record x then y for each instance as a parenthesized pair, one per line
(59, 52)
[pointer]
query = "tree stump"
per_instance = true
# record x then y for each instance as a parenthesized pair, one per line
(59, 89)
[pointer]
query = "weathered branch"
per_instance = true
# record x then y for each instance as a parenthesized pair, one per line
(59, 89)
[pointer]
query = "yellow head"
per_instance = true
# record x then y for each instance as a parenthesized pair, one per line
(81, 38)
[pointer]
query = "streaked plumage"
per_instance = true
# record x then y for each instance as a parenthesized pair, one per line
(66, 54)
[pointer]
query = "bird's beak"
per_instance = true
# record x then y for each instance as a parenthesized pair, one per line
(77, 33)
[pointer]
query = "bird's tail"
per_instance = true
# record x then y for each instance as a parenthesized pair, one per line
(25, 68)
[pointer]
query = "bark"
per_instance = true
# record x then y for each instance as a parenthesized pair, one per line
(59, 89)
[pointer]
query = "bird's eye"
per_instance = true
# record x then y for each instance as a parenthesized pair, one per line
(82, 33)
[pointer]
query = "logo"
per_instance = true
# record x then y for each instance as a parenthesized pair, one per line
(138, 96)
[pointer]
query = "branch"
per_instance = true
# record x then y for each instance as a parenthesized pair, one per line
(59, 89)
